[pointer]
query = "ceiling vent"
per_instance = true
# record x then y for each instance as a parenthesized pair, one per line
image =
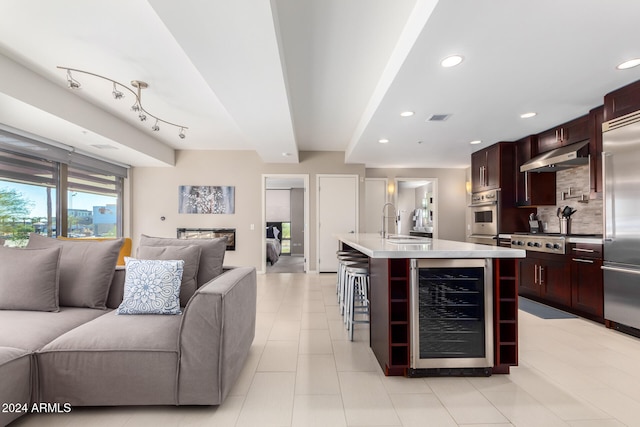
(438, 117)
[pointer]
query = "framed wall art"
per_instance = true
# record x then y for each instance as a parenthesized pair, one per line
(206, 199)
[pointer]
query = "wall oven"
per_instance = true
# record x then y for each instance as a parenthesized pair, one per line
(484, 217)
(452, 317)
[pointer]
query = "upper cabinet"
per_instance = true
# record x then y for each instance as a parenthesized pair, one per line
(574, 131)
(622, 101)
(485, 169)
(533, 188)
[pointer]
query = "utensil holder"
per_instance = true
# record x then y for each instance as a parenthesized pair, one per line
(565, 225)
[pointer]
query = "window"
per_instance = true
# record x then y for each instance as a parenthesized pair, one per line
(286, 238)
(92, 204)
(33, 178)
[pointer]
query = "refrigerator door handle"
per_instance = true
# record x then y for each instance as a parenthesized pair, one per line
(620, 269)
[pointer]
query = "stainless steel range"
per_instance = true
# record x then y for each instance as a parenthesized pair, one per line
(541, 242)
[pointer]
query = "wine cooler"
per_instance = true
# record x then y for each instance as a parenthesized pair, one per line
(452, 317)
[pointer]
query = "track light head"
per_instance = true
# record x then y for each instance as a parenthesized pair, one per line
(155, 127)
(181, 134)
(116, 93)
(142, 117)
(135, 107)
(71, 82)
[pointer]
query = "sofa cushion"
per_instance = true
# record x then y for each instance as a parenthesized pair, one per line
(125, 250)
(30, 330)
(29, 279)
(113, 360)
(86, 269)
(152, 286)
(15, 387)
(211, 257)
(191, 257)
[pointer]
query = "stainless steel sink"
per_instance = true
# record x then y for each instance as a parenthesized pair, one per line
(398, 239)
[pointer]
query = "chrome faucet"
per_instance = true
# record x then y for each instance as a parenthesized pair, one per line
(385, 233)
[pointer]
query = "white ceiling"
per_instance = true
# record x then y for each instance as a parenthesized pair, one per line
(289, 75)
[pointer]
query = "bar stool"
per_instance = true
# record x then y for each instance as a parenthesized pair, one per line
(346, 258)
(357, 296)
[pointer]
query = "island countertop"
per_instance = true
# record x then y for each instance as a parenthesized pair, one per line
(374, 246)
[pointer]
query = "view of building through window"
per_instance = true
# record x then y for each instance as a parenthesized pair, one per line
(27, 208)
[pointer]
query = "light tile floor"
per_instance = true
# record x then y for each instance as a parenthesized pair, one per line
(302, 371)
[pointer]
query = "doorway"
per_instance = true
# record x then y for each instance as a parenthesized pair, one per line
(416, 201)
(285, 219)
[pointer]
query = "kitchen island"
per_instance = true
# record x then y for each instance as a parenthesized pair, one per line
(396, 270)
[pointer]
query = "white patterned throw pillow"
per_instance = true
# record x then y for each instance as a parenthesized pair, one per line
(151, 286)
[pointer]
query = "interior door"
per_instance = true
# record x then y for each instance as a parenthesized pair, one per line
(337, 214)
(375, 196)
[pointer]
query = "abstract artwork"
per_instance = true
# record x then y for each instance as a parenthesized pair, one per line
(205, 199)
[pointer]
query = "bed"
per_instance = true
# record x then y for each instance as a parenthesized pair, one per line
(274, 247)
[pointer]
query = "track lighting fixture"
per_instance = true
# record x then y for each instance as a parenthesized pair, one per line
(118, 94)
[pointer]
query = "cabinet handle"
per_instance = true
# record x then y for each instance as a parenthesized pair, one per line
(561, 134)
(557, 139)
(541, 280)
(526, 186)
(588, 261)
(583, 250)
(535, 274)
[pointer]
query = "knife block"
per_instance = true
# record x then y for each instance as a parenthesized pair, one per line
(565, 225)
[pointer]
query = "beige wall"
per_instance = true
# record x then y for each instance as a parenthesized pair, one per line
(155, 194)
(452, 197)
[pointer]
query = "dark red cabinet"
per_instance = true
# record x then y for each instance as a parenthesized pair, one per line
(587, 296)
(622, 101)
(568, 133)
(485, 169)
(546, 277)
(533, 188)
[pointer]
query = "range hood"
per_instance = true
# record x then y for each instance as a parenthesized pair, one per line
(561, 158)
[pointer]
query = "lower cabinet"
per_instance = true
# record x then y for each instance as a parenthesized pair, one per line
(571, 282)
(546, 277)
(587, 294)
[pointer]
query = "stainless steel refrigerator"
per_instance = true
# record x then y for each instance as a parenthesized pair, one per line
(621, 173)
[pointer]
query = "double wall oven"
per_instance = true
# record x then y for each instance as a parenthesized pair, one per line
(485, 211)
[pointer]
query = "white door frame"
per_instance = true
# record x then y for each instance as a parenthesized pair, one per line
(305, 178)
(435, 198)
(333, 175)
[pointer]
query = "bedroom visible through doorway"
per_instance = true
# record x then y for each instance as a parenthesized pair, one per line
(285, 219)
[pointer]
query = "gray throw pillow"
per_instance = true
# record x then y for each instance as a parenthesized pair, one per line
(29, 279)
(211, 257)
(86, 269)
(191, 257)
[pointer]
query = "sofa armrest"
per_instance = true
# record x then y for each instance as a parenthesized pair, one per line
(217, 330)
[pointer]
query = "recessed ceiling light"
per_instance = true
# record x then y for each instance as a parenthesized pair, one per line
(383, 141)
(451, 61)
(477, 141)
(528, 115)
(407, 114)
(629, 64)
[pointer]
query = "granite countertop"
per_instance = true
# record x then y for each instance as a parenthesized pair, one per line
(374, 246)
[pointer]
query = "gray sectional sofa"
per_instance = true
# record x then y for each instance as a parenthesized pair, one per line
(65, 356)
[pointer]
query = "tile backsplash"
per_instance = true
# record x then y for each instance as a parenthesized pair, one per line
(588, 218)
